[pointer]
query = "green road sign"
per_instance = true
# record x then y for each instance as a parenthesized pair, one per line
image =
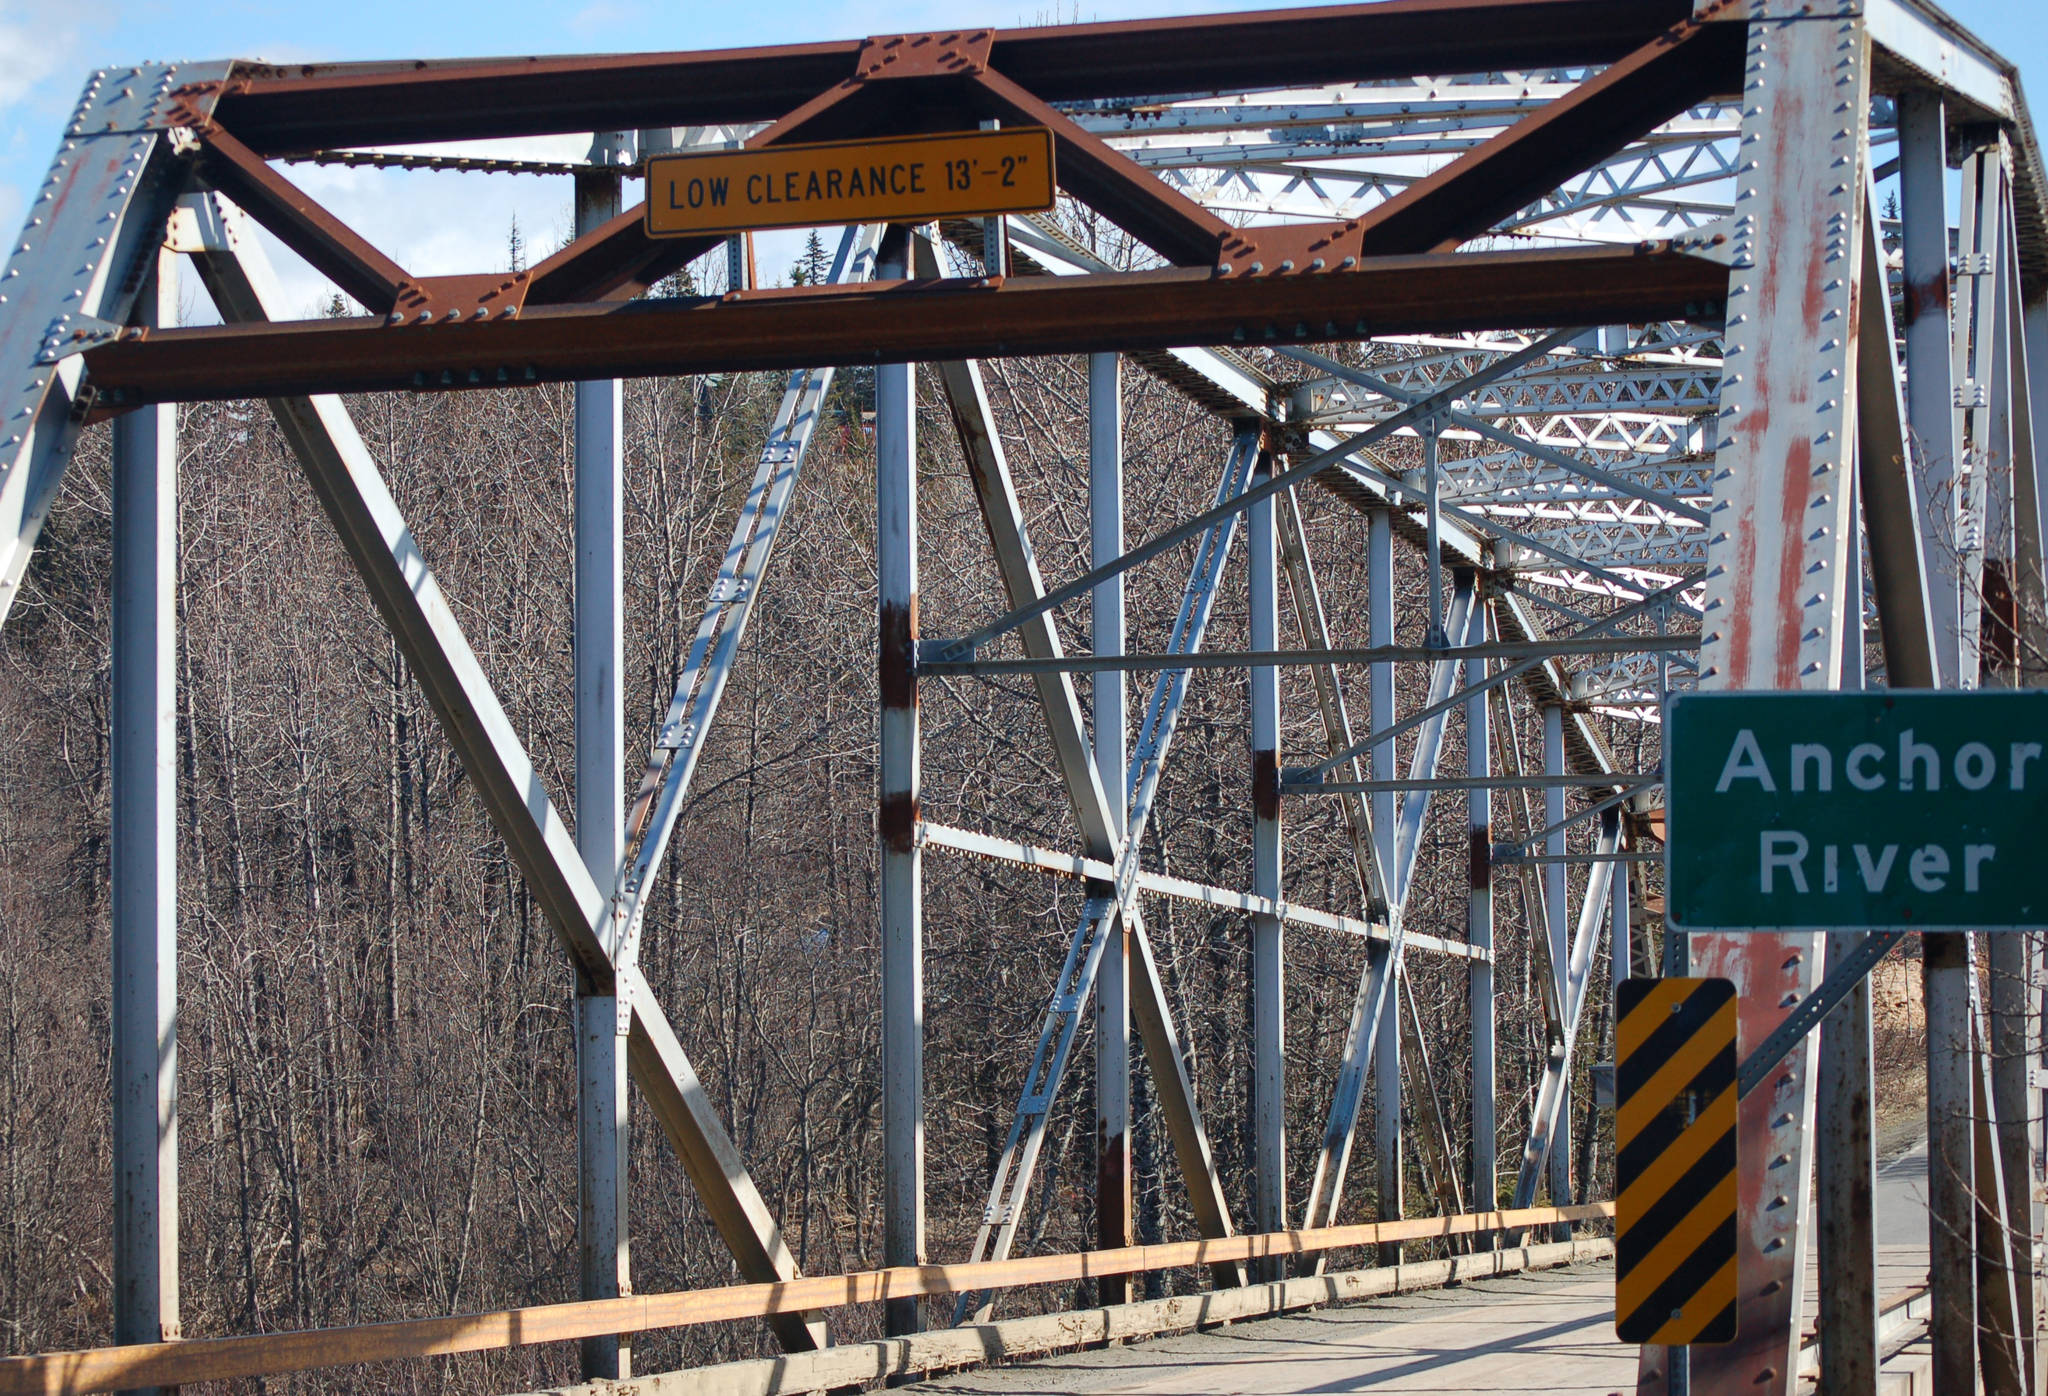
(1863, 811)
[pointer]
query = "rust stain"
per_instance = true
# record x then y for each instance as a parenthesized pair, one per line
(1112, 1186)
(1266, 785)
(898, 821)
(1742, 579)
(898, 661)
(1792, 501)
(1929, 297)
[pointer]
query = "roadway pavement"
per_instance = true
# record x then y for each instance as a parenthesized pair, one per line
(1901, 1223)
(1549, 1330)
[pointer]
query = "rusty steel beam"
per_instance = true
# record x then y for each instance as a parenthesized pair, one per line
(910, 320)
(330, 246)
(1674, 71)
(280, 110)
(1168, 221)
(1108, 181)
(620, 260)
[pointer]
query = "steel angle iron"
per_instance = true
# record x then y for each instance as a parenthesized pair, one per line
(1675, 1161)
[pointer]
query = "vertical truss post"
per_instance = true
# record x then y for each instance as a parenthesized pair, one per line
(739, 262)
(603, 1131)
(2012, 532)
(1433, 555)
(1933, 346)
(1113, 1155)
(902, 900)
(1479, 931)
(1931, 409)
(2014, 1043)
(1558, 930)
(145, 853)
(1776, 594)
(2029, 578)
(1268, 968)
(1845, 1143)
(1998, 1320)
(1845, 1163)
(1981, 458)
(995, 261)
(2030, 408)
(1380, 711)
(1384, 966)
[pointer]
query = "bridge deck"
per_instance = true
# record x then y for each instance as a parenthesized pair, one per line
(1547, 1330)
(1550, 1330)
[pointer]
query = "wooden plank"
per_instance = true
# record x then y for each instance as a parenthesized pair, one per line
(265, 1354)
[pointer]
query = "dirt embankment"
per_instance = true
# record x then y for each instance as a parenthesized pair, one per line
(1899, 1037)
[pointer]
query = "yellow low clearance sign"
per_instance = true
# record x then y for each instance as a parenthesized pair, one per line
(897, 179)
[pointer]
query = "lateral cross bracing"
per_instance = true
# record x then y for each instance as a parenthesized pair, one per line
(1562, 355)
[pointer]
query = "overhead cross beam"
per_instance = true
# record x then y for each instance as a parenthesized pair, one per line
(285, 110)
(895, 321)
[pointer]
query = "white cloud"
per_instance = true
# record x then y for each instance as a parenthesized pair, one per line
(606, 17)
(27, 58)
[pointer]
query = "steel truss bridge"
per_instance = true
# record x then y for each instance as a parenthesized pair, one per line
(1613, 331)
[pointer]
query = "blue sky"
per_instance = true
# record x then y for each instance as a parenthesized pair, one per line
(461, 222)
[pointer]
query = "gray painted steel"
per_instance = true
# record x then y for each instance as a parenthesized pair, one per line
(144, 856)
(902, 889)
(603, 1128)
(1115, 1161)
(1269, 965)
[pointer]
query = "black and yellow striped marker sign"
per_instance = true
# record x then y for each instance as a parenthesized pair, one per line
(1674, 1137)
